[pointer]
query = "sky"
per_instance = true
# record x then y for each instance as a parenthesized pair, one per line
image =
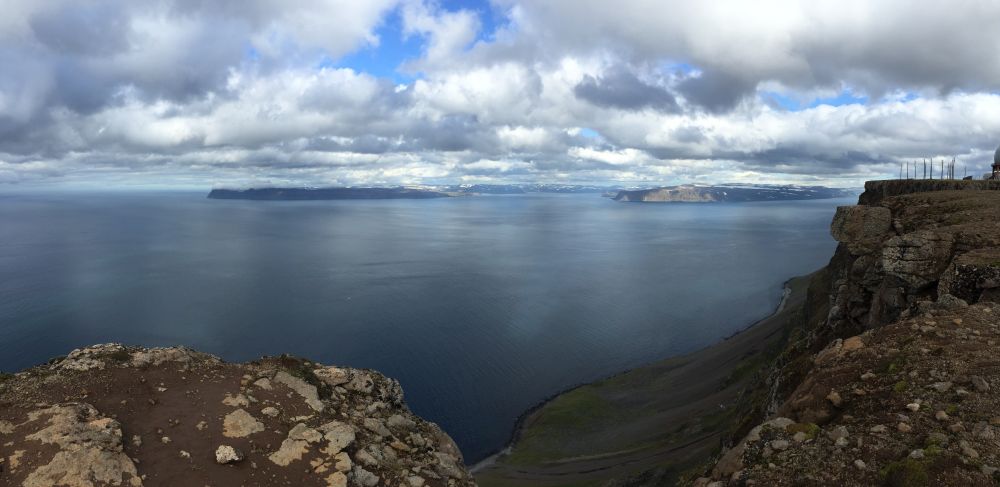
(241, 93)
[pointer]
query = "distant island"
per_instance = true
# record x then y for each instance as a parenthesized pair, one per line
(400, 192)
(692, 193)
(297, 194)
(517, 188)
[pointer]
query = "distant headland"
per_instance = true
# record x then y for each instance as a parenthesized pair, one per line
(400, 192)
(691, 193)
(296, 194)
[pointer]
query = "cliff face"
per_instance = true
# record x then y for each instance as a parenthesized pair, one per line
(876, 191)
(897, 382)
(112, 415)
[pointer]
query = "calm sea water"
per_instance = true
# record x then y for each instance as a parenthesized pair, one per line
(480, 306)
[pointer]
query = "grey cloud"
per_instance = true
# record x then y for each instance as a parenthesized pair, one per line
(716, 91)
(77, 29)
(874, 46)
(620, 88)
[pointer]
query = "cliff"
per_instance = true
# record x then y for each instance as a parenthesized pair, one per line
(690, 193)
(876, 191)
(892, 381)
(110, 415)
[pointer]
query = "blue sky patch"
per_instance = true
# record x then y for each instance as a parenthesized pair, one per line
(394, 49)
(792, 104)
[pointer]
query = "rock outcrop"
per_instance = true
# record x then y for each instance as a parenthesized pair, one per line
(896, 383)
(110, 415)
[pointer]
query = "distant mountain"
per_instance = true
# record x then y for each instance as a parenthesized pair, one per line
(731, 193)
(526, 188)
(485, 188)
(282, 194)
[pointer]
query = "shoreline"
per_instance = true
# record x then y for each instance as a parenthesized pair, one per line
(518, 428)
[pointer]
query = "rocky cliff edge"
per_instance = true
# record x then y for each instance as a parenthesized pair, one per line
(110, 415)
(897, 382)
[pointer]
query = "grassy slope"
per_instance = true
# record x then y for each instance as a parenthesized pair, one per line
(646, 424)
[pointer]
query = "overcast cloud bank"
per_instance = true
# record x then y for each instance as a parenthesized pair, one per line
(175, 93)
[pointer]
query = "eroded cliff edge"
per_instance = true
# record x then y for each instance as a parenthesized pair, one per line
(110, 415)
(894, 380)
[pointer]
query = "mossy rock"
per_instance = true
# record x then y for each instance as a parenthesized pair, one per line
(810, 429)
(906, 473)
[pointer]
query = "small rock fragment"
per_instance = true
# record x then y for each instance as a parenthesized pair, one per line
(967, 449)
(834, 398)
(979, 383)
(336, 479)
(239, 424)
(237, 401)
(226, 454)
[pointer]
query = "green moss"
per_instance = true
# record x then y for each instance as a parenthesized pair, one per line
(906, 473)
(810, 429)
(911, 472)
(952, 409)
(899, 387)
(893, 365)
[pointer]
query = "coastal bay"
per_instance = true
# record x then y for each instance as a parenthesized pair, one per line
(461, 299)
(664, 417)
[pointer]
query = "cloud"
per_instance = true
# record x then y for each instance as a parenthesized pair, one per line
(241, 92)
(620, 88)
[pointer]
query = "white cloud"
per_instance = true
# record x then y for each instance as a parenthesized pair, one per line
(233, 92)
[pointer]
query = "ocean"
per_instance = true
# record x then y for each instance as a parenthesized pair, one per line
(481, 306)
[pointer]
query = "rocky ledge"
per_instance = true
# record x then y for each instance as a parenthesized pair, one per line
(894, 378)
(111, 415)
